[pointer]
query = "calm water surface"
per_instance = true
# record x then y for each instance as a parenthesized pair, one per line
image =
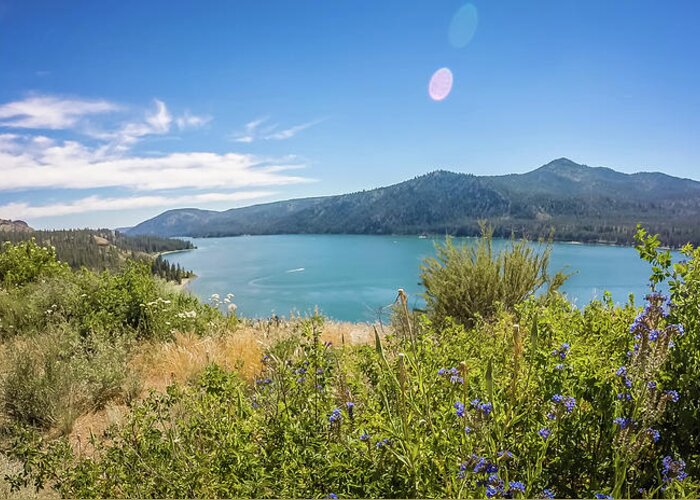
(352, 277)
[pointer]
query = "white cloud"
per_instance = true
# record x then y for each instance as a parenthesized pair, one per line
(28, 163)
(188, 120)
(33, 160)
(100, 204)
(254, 131)
(48, 112)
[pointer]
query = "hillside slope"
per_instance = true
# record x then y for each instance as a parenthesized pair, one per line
(578, 202)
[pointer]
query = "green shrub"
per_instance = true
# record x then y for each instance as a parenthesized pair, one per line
(26, 262)
(49, 380)
(683, 281)
(469, 282)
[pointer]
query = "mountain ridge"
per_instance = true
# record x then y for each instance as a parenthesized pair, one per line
(579, 202)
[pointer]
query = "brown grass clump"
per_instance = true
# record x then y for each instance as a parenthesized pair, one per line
(160, 364)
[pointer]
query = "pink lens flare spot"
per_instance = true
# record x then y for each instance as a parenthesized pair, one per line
(440, 84)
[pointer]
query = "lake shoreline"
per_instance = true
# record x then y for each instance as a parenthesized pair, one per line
(598, 243)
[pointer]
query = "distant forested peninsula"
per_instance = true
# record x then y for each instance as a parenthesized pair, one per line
(576, 202)
(104, 249)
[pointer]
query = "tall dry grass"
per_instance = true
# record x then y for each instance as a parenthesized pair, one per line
(156, 365)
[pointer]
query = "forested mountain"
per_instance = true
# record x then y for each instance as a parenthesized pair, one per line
(103, 249)
(576, 201)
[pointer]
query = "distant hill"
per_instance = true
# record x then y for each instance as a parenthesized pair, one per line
(579, 202)
(103, 249)
(18, 226)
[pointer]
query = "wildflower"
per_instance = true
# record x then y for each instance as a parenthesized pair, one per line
(654, 434)
(559, 367)
(332, 495)
(570, 404)
(603, 496)
(654, 335)
(624, 396)
(301, 380)
(364, 437)
(384, 442)
(544, 433)
(651, 385)
(679, 329)
(491, 491)
(467, 430)
(516, 486)
(456, 379)
(557, 398)
(551, 416)
(621, 372)
(638, 323)
(319, 371)
(480, 464)
(485, 408)
(547, 494)
(505, 453)
(494, 480)
(623, 422)
(459, 409)
(673, 470)
(672, 395)
(491, 468)
(562, 351)
(336, 416)
(351, 407)
(441, 372)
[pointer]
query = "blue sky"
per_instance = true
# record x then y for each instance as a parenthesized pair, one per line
(113, 111)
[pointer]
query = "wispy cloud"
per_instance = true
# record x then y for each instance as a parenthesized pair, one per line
(188, 120)
(261, 130)
(103, 204)
(95, 150)
(40, 162)
(157, 121)
(49, 112)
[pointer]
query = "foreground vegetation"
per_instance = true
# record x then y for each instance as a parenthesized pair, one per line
(492, 392)
(106, 250)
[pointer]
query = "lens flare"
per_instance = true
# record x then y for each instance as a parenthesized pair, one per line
(440, 84)
(463, 26)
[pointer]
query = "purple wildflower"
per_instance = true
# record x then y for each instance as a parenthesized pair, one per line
(654, 434)
(673, 395)
(335, 416)
(673, 470)
(516, 486)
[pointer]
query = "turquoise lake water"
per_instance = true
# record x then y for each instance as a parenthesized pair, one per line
(352, 277)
